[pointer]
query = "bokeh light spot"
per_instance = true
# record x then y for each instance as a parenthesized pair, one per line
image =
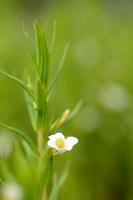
(114, 96)
(88, 119)
(87, 52)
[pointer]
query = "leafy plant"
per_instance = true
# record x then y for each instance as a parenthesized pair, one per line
(37, 159)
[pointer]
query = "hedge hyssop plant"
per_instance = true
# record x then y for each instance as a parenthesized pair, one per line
(31, 164)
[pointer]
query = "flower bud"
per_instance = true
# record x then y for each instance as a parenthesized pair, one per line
(35, 106)
(60, 121)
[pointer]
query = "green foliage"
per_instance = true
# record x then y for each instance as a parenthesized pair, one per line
(73, 113)
(22, 135)
(100, 33)
(20, 82)
(37, 96)
(20, 169)
(38, 43)
(46, 84)
(60, 121)
(31, 47)
(5, 173)
(57, 185)
(58, 72)
(31, 110)
(65, 117)
(45, 170)
(42, 113)
(53, 39)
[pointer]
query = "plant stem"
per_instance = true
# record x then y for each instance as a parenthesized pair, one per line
(40, 149)
(40, 142)
(44, 194)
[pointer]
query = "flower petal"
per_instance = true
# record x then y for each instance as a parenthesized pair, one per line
(70, 142)
(61, 150)
(57, 136)
(51, 137)
(52, 143)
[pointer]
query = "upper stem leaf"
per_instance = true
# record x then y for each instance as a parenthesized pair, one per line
(20, 82)
(42, 115)
(47, 61)
(38, 43)
(57, 185)
(22, 135)
(58, 71)
(31, 47)
(53, 39)
(73, 112)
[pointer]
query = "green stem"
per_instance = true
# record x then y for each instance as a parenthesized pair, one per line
(40, 149)
(44, 194)
(40, 142)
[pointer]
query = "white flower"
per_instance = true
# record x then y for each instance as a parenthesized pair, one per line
(61, 144)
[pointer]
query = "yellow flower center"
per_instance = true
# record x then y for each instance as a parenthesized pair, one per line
(60, 143)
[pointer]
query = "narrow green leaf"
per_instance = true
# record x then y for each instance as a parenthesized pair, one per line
(23, 170)
(23, 136)
(5, 172)
(31, 47)
(46, 169)
(47, 62)
(30, 102)
(58, 71)
(54, 192)
(30, 154)
(29, 83)
(73, 112)
(39, 113)
(63, 176)
(38, 42)
(43, 57)
(57, 186)
(20, 82)
(31, 110)
(42, 115)
(53, 39)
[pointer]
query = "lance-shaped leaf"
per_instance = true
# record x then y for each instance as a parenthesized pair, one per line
(46, 62)
(73, 113)
(38, 42)
(30, 103)
(31, 48)
(58, 72)
(5, 172)
(31, 110)
(23, 136)
(43, 58)
(53, 39)
(42, 115)
(57, 186)
(20, 82)
(57, 124)
(46, 169)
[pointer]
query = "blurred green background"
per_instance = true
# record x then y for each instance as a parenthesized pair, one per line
(98, 69)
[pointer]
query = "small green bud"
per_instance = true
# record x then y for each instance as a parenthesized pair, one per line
(35, 106)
